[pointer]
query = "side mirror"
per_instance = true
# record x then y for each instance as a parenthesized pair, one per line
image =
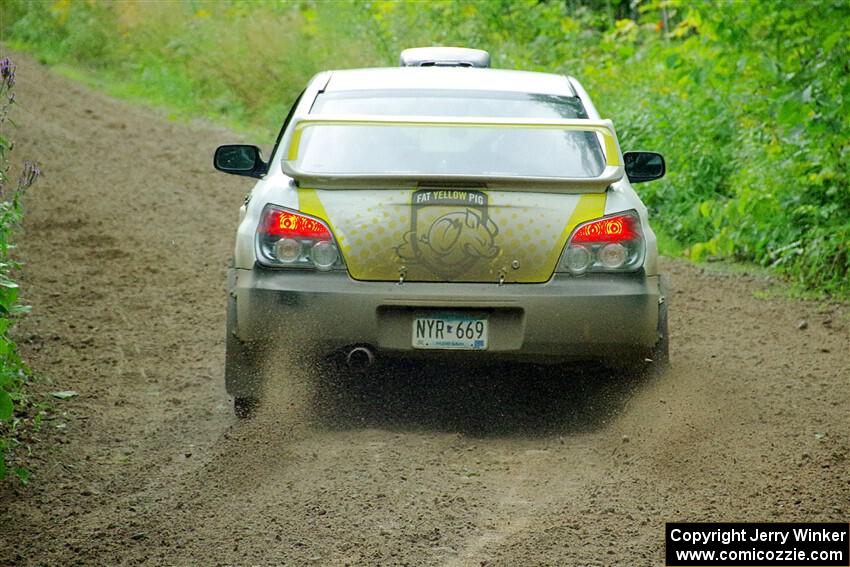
(644, 166)
(240, 159)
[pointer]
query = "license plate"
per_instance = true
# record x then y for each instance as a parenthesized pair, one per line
(450, 332)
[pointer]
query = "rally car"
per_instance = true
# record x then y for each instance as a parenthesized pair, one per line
(442, 208)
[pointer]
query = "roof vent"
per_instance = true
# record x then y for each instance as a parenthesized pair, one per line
(444, 57)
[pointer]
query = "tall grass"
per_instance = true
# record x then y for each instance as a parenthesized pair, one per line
(235, 61)
(750, 102)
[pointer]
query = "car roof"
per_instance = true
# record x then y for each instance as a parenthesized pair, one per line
(449, 78)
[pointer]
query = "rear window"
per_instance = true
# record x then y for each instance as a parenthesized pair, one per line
(433, 149)
(423, 149)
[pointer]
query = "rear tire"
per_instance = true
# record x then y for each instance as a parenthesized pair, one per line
(242, 375)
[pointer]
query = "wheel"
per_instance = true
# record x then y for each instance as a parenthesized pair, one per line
(660, 353)
(242, 374)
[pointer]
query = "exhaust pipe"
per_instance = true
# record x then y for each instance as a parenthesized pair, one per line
(360, 357)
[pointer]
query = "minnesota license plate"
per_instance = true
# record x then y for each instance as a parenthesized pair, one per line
(450, 332)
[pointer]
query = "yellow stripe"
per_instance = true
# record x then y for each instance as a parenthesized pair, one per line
(589, 207)
(295, 142)
(611, 154)
(309, 203)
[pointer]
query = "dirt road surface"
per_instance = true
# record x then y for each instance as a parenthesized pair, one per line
(126, 241)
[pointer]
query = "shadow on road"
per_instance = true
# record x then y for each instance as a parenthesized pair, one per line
(478, 400)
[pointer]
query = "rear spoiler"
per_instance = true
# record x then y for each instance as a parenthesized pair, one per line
(604, 129)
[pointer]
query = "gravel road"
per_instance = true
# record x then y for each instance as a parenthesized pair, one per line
(126, 241)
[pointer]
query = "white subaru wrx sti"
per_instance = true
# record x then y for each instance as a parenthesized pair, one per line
(443, 208)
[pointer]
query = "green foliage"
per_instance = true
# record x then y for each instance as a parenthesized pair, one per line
(13, 372)
(237, 61)
(749, 101)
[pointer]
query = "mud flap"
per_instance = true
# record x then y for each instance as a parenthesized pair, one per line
(661, 351)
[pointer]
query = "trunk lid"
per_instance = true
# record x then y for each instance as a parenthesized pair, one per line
(451, 234)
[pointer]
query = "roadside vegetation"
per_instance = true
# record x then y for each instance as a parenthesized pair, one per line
(19, 415)
(749, 101)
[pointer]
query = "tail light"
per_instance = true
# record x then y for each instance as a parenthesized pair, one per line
(287, 238)
(609, 244)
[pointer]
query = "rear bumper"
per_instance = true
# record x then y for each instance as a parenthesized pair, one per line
(591, 317)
